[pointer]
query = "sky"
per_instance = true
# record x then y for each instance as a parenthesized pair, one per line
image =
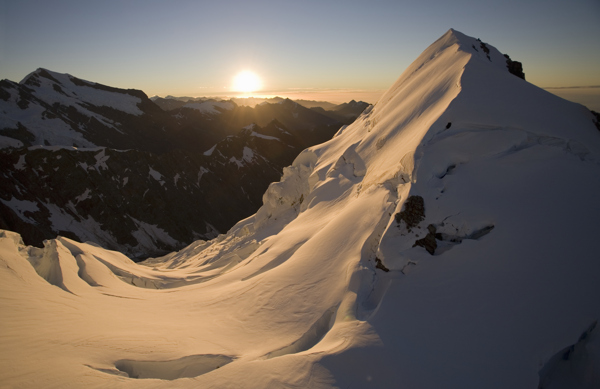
(333, 49)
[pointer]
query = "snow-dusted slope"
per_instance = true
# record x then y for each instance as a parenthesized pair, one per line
(29, 106)
(445, 239)
(140, 190)
(137, 202)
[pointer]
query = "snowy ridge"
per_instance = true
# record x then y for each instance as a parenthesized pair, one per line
(53, 130)
(444, 239)
(59, 109)
(61, 88)
(256, 134)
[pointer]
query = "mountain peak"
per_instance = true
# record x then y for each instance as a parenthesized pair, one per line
(32, 79)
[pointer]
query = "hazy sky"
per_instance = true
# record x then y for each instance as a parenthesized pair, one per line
(195, 48)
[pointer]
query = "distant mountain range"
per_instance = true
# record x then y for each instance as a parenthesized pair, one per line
(108, 165)
(345, 113)
(170, 102)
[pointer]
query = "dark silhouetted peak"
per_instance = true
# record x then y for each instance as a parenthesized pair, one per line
(276, 124)
(288, 102)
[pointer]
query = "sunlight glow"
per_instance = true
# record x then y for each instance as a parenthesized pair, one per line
(246, 82)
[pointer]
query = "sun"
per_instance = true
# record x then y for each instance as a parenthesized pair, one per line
(246, 82)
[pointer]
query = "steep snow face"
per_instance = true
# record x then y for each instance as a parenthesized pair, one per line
(444, 239)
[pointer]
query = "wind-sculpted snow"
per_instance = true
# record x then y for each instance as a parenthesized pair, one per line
(288, 194)
(447, 238)
(314, 334)
(190, 366)
(351, 158)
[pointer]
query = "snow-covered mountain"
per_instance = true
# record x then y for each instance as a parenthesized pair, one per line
(445, 239)
(102, 164)
(135, 201)
(345, 113)
(53, 109)
(49, 108)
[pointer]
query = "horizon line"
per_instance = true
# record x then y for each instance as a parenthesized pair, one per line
(571, 87)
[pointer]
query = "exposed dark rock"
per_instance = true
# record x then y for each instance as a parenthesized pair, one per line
(428, 242)
(413, 212)
(20, 133)
(447, 241)
(477, 234)
(485, 49)
(514, 67)
(379, 265)
(24, 97)
(5, 85)
(34, 81)
(597, 119)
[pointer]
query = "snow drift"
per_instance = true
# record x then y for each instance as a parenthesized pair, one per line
(444, 239)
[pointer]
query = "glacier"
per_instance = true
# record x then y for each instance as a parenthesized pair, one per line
(446, 238)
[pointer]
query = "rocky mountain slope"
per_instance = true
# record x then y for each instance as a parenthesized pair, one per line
(345, 113)
(445, 239)
(53, 109)
(136, 201)
(48, 108)
(97, 163)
